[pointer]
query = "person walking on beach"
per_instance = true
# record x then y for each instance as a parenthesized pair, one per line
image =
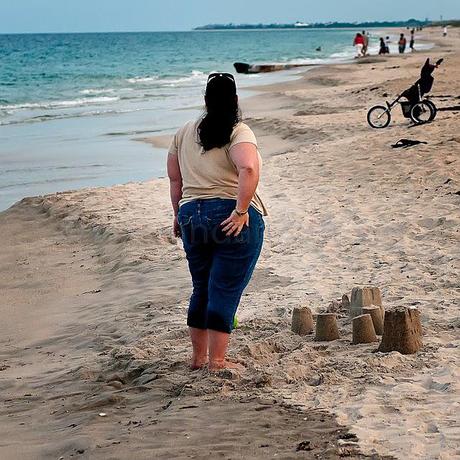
(358, 43)
(365, 42)
(383, 46)
(402, 44)
(387, 43)
(444, 31)
(213, 168)
(412, 40)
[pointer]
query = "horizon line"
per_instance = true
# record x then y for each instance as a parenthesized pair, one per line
(176, 31)
(194, 28)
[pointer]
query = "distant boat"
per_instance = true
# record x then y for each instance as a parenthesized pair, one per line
(301, 24)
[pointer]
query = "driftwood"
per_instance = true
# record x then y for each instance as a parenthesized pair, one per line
(363, 329)
(326, 327)
(377, 317)
(364, 297)
(302, 321)
(402, 331)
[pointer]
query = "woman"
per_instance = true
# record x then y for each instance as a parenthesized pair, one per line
(387, 43)
(383, 46)
(412, 40)
(402, 44)
(213, 168)
(358, 43)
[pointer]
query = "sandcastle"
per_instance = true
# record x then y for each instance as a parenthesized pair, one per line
(363, 329)
(399, 327)
(326, 327)
(402, 331)
(376, 316)
(302, 321)
(364, 297)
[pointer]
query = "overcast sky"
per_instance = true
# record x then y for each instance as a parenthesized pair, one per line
(146, 15)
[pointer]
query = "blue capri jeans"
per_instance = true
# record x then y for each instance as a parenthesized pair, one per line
(221, 266)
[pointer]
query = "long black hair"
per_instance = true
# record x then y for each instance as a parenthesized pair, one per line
(222, 112)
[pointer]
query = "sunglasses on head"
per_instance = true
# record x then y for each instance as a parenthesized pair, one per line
(221, 75)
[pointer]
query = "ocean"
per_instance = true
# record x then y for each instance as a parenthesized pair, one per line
(73, 105)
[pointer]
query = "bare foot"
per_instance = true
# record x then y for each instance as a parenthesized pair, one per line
(216, 366)
(198, 363)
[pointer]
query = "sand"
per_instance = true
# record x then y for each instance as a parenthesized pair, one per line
(94, 294)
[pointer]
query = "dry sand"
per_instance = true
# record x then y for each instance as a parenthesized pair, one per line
(94, 292)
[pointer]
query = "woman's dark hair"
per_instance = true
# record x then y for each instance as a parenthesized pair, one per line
(222, 112)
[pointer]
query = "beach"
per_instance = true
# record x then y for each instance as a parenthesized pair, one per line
(94, 343)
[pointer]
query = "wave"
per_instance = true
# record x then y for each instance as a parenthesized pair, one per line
(194, 76)
(63, 116)
(133, 133)
(50, 168)
(60, 104)
(141, 79)
(309, 61)
(49, 181)
(91, 91)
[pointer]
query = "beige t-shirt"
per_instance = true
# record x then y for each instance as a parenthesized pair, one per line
(210, 174)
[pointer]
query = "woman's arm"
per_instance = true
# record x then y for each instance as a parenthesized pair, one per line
(244, 156)
(175, 187)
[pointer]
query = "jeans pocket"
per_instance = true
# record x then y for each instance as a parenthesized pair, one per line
(184, 219)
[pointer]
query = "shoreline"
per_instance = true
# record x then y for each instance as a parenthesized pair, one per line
(292, 77)
(100, 287)
(45, 161)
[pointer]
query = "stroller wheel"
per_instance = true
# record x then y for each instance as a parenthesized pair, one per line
(422, 112)
(433, 108)
(378, 116)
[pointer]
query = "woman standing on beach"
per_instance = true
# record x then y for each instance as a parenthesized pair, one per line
(358, 43)
(213, 168)
(412, 40)
(402, 44)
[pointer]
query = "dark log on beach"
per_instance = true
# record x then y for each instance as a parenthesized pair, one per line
(363, 329)
(402, 331)
(302, 321)
(326, 327)
(242, 67)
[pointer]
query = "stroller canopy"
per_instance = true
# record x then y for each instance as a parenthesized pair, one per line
(423, 85)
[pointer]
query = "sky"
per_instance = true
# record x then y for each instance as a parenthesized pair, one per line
(22, 16)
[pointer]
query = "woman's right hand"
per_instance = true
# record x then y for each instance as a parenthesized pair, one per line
(235, 223)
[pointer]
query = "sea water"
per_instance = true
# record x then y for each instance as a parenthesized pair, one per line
(73, 105)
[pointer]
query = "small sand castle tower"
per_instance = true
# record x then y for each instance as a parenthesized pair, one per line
(402, 331)
(302, 321)
(364, 297)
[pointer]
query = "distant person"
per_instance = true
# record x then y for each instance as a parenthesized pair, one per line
(444, 32)
(318, 48)
(402, 44)
(358, 43)
(365, 42)
(412, 40)
(383, 46)
(213, 168)
(387, 43)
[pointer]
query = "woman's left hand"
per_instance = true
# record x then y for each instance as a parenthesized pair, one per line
(235, 223)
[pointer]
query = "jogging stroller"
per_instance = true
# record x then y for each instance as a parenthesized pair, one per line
(416, 108)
